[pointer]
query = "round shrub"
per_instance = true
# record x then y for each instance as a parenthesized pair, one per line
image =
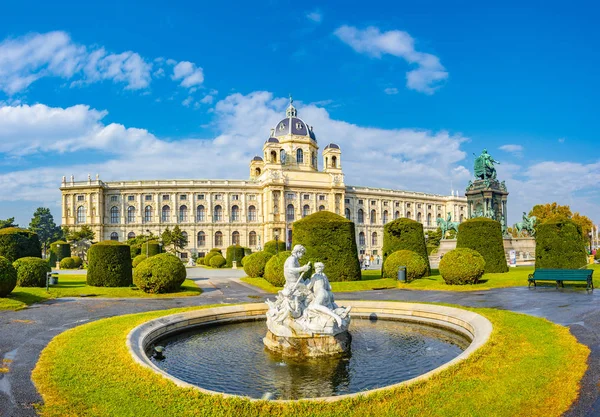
(200, 261)
(414, 263)
(8, 277)
(217, 261)
(159, 274)
(60, 249)
(150, 248)
(462, 266)
(208, 257)
(67, 263)
(272, 245)
(109, 265)
(405, 234)
(244, 260)
(484, 236)
(254, 265)
(217, 250)
(234, 253)
(138, 259)
(331, 239)
(597, 255)
(274, 269)
(18, 243)
(31, 272)
(559, 244)
(78, 261)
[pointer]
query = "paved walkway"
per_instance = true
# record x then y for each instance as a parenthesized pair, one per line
(23, 334)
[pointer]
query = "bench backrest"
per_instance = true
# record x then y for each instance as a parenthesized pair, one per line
(563, 273)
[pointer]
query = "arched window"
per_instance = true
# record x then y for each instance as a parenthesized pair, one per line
(273, 156)
(114, 236)
(148, 214)
(361, 216)
(408, 215)
(218, 214)
(333, 162)
(114, 215)
(313, 159)
(290, 213)
(396, 215)
(130, 235)
(305, 210)
(373, 216)
(80, 214)
(235, 213)
(166, 214)
(385, 217)
(428, 219)
(183, 214)
(419, 217)
(201, 239)
(321, 208)
(185, 237)
(251, 214)
(347, 211)
(282, 156)
(299, 156)
(462, 217)
(235, 238)
(257, 172)
(218, 239)
(130, 214)
(374, 239)
(252, 239)
(200, 214)
(361, 238)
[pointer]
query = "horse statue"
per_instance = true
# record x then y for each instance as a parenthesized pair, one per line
(447, 225)
(484, 166)
(528, 225)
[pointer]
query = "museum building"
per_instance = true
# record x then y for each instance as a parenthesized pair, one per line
(285, 184)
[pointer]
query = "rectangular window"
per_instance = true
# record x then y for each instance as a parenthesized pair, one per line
(397, 204)
(419, 205)
(408, 205)
(373, 202)
(252, 197)
(439, 207)
(360, 202)
(290, 196)
(218, 197)
(114, 198)
(80, 197)
(385, 203)
(148, 197)
(235, 197)
(183, 197)
(347, 200)
(429, 207)
(321, 198)
(306, 196)
(165, 197)
(130, 198)
(200, 196)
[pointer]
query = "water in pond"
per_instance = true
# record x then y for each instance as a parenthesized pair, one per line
(231, 358)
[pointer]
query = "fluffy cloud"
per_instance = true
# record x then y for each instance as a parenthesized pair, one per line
(428, 75)
(188, 73)
(315, 16)
(391, 91)
(516, 150)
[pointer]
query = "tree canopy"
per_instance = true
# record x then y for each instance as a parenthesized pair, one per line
(43, 224)
(10, 222)
(84, 233)
(555, 212)
(175, 238)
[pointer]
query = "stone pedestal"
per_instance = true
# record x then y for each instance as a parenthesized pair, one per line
(308, 346)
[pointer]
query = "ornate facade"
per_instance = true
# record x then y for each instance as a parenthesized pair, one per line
(285, 185)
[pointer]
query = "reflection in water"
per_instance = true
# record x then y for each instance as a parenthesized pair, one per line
(232, 358)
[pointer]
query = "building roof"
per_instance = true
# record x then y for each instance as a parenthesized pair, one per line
(273, 140)
(332, 146)
(293, 125)
(257, 158)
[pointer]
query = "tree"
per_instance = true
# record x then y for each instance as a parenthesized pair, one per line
(10, 222)
(84, 233)
(174, 238)
(43, 224)
(556, 212)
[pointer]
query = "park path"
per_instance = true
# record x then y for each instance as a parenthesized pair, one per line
(24, 333)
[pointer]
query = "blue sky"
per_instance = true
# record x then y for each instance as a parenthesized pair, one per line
(408, 89)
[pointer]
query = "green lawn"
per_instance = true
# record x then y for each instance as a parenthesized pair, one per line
(530, 367)
(75, 286)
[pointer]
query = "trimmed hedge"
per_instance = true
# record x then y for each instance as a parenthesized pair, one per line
(462, 266)
(331, 239)
(31, 271)
(254, 265)
(160, 274)
(150, 248)
(200, 261)
(559, 244)
(60, 249)
(271, 246)
(416, 267)
(78, 261)
(208, 257)
(138, 259)
(405, 234)
(234, 253)
(8, 277)
(67, 263)
(274, 269)
(217, 261)
(109, 265)
(18, 243)
(484, 236)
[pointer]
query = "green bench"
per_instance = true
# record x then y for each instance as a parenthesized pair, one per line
(561, 275)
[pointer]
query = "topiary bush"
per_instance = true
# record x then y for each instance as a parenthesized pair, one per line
(416, 267)
(271, 246)
(597, 255)
(234, 253)
(150, 248)
(60, 249)
(254, 265)
(138, 259)
(208, 256)
(484, 236)
(217, 261)
(18, 243)
(109, 265)
(405, 234)
(462, 266)
(559, 244)
(159, 274)
(67, 263)
(31, 271)
(8, 277)
(200, 261)
(274, 269)
(78, 261)
(331, 239)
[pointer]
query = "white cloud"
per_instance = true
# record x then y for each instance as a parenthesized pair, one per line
(391, 91)
(188, 101)
(561, 140)
(428, 75)
(315, 16)
(207, 99)
(188, 73)
(516, 150)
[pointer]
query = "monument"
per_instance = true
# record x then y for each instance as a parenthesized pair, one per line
(304, 320)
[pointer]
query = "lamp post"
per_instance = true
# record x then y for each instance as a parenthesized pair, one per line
(147, 240)
(590, 235)
(277, 243)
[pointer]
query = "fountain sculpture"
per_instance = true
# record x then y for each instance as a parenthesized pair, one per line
(304, 320)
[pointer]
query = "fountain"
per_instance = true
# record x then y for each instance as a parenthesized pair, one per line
(304, 320)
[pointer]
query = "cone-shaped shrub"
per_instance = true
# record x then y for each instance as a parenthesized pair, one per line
(558, 244)
(405, 234)
(160, 274)
(254, 265)
(274, 269)
(234, 253)
(8, 277)
(18, 243)
(271, 246)
(414, 263)
(462, 266)
(331, 239)
(31, 272)
(109, 265)
(484, 236)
